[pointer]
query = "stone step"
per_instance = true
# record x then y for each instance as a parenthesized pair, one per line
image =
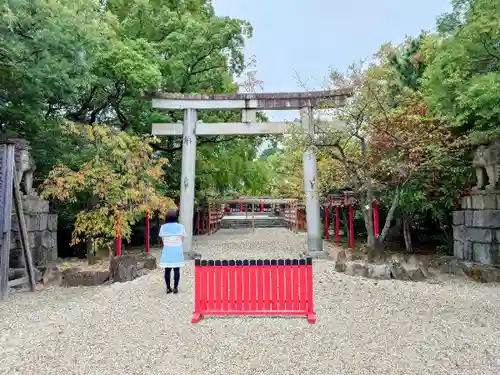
(268, 223)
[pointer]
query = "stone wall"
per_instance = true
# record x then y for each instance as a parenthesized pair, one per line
(476, 228)
(42, 233)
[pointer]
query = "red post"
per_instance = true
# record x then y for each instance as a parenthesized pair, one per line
(148, 224)
(351, 227)
(303, 219)
(118, 246)
(311, 315)
(337, 225)
(241, 207)
(326, 223)
(375, 219)
(198, 222)
(261, 207)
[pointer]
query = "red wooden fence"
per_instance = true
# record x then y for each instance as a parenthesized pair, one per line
(254, 287)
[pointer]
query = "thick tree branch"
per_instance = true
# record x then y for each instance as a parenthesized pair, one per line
(390, 215)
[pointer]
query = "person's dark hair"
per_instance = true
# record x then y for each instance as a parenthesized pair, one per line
(172, 216)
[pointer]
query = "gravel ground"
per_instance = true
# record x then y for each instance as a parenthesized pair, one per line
(364, 327)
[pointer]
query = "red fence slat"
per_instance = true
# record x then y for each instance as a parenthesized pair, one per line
(269, 287)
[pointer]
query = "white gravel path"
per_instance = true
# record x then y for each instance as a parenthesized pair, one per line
(364, 327)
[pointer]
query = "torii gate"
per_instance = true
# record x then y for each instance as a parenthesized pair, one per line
(249, 104)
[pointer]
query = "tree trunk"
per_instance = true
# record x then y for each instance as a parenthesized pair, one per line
(407, 233)
(371, 241)
(91, 258)
(346, 224)
(110, 250)
(388, 219)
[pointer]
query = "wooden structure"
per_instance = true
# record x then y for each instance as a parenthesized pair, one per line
(291, 215)
(215, 215)
(337, 202)
(283, 207)
(10, 193)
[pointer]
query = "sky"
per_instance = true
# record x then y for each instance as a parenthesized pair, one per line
(307, 38)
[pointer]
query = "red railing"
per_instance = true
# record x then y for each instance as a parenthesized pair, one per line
(254, 287)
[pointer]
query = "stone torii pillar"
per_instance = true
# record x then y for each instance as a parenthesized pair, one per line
(313, 214)
(188, 178)
(248, 104)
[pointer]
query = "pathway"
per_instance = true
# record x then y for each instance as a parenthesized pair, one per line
(364, 327)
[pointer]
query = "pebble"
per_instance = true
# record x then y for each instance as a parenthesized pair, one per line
(363, 327)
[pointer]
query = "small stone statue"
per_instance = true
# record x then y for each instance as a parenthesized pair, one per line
(486, 163)
(25, 166)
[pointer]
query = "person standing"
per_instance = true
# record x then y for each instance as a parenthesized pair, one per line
(172, 234)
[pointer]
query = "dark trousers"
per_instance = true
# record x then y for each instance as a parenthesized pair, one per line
(177, 276)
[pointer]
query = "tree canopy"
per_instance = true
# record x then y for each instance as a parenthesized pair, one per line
(418, 107)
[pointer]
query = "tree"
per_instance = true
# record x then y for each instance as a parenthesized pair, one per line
(390, 146)
(462, 80)
(118, 176)
(93, 62)
(406, 59)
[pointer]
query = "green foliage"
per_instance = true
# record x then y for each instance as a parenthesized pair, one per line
(462, 81)
(92, 62)
(117, 177)
(408, 64)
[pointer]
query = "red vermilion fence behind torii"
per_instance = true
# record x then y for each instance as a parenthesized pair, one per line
(254, 287)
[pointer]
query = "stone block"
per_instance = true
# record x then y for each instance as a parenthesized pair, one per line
(458, 217)
(398, 272)
(379, 271)
(356, 269)
(75, 277)
(458, 249)
(50, 252)
(43, 221)
(33, 204)
(466, 203)
(123, 268)
(38, 239)
(32, 223)
(482, 252)
(486, 219)
(482, 235)
(32, 239)
(143, 272)
(478, 272)
(340, 263)
(418, 274)
(146, 261)
(451, 265)
(51, 275)
(484, 202)
(468, 218)
(486, 274)
(460, 233)
(52, 222)
(47, 239)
